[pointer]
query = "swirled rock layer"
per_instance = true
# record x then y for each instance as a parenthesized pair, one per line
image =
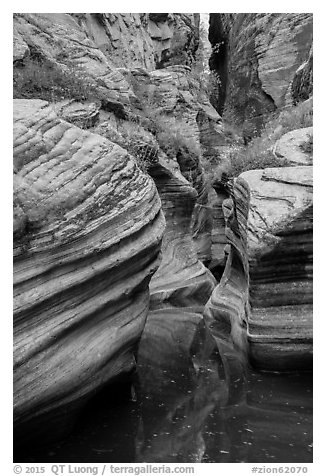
(181, 280)
(88, 227)
(186, 108)
(264, 300)
(101, 59)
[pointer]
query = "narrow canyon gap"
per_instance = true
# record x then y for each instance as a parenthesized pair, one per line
(163, 206)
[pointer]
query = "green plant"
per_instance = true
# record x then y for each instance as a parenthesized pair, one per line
(171, 134)
(295, 117)
(143, 149)
(40, 78)
(258, 154)
(238, 159)
(135, 139)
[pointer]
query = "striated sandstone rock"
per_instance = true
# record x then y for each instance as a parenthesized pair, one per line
(280, 267)
(123, 37)
(302, 84)
(264, 300)
(59, 38)
(174, 103)
(179, 97)
(219, 241)
(181, 280)
(289, 146)
(147, 40)
(84, 115)
(20, 47)
(108, 53)
(88, 232)
(256, 56)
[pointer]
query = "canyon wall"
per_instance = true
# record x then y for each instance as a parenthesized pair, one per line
(114, 219)
(146, 40)
(263, 303)
(113, 57)
(88, 221)
(125, 40)
(87, 227)
(256, 56)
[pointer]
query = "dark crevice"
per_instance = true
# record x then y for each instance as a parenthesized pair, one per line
(218, 62)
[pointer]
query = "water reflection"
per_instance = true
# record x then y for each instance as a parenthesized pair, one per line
(222, 413)
(192, 406)
(274, 424)
(179, 387)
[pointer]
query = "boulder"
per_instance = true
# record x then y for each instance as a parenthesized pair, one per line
(88, 232)
(294, 146)
(82, 114)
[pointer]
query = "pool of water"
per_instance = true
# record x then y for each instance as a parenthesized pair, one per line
(191, 405)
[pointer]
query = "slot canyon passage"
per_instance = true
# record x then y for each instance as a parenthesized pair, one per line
(163, 237)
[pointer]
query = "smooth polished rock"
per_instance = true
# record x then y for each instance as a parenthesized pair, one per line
(181, 280)
(88, 232)
(263, 303)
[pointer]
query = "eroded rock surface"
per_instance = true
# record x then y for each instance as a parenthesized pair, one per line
(302, 84)
(146, 40)
(294, 146)
(59, 38)
(82, 114)
(88, 225)
(257, 57)
(88, 232)
(112, 59)
(264, 300)
(181, 280)
(175, 94)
